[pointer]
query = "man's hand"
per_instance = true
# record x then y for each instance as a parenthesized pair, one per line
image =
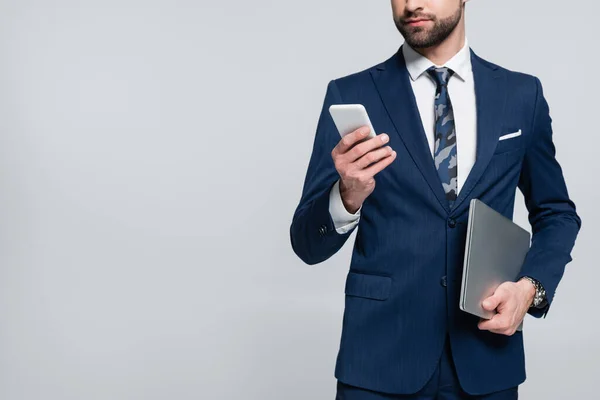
(357, 163)
(511, 300)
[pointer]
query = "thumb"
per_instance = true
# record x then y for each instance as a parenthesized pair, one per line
(491, 303)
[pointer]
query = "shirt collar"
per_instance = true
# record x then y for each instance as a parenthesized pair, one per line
(416, 64)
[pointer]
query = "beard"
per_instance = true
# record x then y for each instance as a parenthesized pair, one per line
(419, 37)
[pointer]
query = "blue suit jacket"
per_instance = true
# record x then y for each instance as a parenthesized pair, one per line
(402, 289)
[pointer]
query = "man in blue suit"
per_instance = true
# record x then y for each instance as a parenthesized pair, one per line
(459, 128)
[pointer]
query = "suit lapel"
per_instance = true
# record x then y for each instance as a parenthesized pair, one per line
(490, 95)
(393, 84)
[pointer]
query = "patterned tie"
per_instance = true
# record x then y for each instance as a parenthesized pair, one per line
(445, 133)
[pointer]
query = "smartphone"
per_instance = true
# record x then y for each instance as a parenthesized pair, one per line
(350, 117)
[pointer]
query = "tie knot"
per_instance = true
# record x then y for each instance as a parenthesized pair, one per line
(440, 75)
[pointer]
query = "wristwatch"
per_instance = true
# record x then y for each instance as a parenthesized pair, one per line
(540, 294)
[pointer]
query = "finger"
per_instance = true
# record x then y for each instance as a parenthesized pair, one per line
(367, 146)
(491, 303)
(505, 332)
(496, 323)
(487, 325)
(380, 165)
(348, 141)
(500, 296)
(373, 156)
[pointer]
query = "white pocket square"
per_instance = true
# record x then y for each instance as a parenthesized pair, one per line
(510, 135)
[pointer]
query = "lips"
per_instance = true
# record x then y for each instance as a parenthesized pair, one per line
(415, 21)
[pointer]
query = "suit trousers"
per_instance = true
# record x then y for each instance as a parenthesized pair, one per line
(443, 385)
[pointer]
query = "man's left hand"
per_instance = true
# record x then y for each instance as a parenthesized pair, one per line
(511, 300)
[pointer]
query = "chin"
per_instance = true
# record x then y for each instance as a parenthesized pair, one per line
(416, 41)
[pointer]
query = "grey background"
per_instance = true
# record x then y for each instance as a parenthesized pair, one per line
(152, 154)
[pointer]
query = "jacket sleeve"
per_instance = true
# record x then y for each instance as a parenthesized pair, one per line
(554, 221)
(312, 231)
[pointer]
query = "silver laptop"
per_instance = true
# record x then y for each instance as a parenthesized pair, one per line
(494, 253)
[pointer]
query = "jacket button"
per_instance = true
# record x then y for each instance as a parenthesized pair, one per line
(322, 230)
(444, 281)
(452, 223)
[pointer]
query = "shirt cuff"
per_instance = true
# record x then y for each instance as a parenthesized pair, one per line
(342, 219)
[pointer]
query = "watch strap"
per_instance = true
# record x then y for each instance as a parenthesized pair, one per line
(539, 298)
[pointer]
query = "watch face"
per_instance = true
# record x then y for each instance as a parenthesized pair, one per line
(539, 296)
(540, 293)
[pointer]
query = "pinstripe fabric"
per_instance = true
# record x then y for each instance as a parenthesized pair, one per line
(403, 284)
(443, 385)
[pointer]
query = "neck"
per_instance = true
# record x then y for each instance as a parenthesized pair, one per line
(444, 51)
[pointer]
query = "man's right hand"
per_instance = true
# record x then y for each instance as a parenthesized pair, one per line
(358, 163)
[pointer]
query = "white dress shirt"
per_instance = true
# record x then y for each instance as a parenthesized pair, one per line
(461, 89)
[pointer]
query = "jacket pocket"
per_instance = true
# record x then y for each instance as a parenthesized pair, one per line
(374, 287)
(509, 144)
